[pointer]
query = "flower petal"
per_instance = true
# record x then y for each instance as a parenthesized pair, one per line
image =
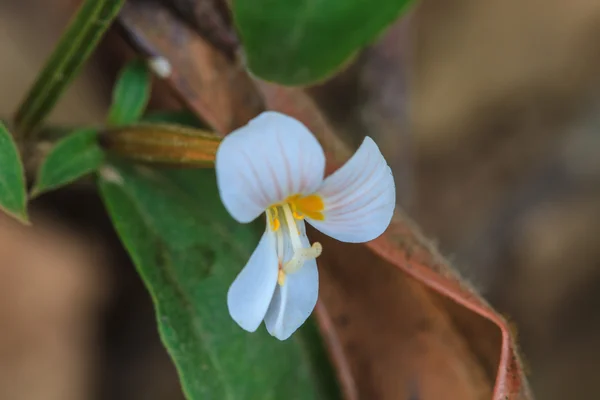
(293, 302)
(359, 198)
(251, 292)
(272, 157)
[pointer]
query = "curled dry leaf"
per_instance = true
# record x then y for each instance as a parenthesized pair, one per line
(398, 322)
(394, 312)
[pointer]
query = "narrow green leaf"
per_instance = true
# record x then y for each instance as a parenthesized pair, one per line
(12, 178)
(188, 250)
(71, 158)
(130, 94)
(305, 41)
(75, 46)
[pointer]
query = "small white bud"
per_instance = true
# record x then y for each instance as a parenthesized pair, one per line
(160, 66)
(109, 174)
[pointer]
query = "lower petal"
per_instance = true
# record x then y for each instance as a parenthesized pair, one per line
(293, 302)
(251, 292)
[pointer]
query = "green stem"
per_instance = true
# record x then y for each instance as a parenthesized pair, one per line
(75, 46)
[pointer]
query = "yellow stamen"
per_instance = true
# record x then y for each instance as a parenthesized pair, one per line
(301, 255)
(281, 278)
(285, 215)
(273, 219)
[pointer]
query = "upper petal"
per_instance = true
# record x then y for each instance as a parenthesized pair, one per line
(260, 164)
(293, 302)
(359, 198)
(251, 292)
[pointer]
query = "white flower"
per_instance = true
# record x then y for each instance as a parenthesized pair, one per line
(275, 165)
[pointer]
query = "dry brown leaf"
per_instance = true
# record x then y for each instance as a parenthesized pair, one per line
(206, 80)
(405, 322)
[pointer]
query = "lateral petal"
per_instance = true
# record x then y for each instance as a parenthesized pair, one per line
(359, 198)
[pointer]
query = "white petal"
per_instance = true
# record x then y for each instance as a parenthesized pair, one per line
(293, 302)
(359, 198)
(251, 292)
(272, 157)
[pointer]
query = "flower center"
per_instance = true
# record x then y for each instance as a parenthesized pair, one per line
(283, 220)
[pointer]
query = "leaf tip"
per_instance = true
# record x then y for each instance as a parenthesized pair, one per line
(20, 215)
(23, 219)
(35, 192)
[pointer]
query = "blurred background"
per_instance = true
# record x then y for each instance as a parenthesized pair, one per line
(489, 113)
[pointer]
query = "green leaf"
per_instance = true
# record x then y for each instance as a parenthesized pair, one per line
(75, 46)
(188, 250)
(305, 41)
(12, 179)
(131, 94)
(71, 158)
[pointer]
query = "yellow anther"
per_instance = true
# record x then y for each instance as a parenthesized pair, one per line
(281, 278)
(294, 211)
(273, 219)
(317, 249)
(275, 224)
